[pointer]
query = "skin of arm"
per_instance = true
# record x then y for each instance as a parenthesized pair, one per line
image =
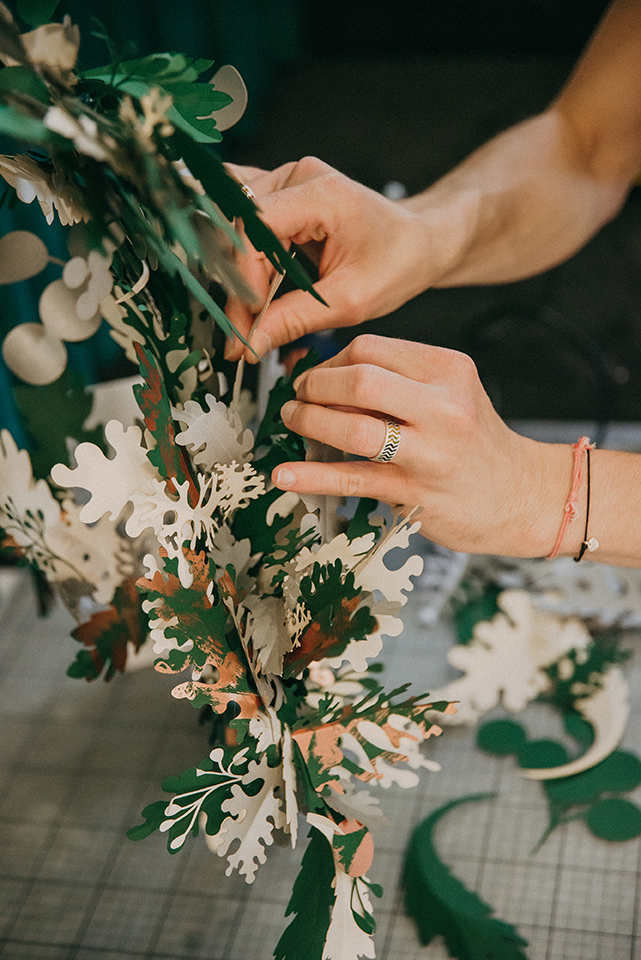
(522, 203)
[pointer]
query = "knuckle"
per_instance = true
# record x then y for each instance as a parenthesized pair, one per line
(365, 347)
(350, 484)
(364, 384)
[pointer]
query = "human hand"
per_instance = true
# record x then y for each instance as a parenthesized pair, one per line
(372, 254)
(482, 488)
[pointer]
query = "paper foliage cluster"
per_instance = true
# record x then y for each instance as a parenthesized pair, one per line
(167, 531)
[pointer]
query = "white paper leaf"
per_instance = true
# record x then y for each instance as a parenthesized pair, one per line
(267, 630)
(215, 435)
(111, 483)
(506, 659)
(252, 819)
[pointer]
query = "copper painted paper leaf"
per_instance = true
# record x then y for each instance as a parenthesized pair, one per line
(156, 409)
(336, 619)
(106, 635)
(440, 904)
(188, 627)
(311, 901)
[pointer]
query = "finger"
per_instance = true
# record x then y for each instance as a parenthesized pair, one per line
(354, 431)
(258, 272)
(421, 362)
(380, 481)
(364, 387)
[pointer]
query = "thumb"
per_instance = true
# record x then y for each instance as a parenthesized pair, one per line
(296, 313)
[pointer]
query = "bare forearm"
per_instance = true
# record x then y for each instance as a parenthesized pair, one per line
(531, 197)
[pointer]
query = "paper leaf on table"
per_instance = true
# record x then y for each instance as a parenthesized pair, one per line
(252, 819)
(215, 435)
(440, 904)
(506, 660)
(311, 902)
(107, 634)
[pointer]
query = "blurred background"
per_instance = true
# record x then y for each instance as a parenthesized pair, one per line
(394, 97)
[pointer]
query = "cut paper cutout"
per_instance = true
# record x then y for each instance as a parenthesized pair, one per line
(608, 711)
(440, 904)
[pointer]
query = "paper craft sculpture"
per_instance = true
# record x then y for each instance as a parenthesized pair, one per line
(169, 527)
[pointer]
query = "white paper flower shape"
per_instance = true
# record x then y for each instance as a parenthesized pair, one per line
(70, 307)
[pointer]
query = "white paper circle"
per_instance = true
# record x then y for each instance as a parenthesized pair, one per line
(34, 355)
(58, 311)
(22, 255)
(75, 272)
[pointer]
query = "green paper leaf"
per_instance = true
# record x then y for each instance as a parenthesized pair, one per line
(154, 403)
(23, 80)
(311, 901)
(542, 753)
(198, 790)
(54, 412)
(440, 904)
(472, 607)
(619, 771)
(359, 525)
(614, 819)
(579, 728)
(36, 12)
(227, 193)
(21, 126)
(501, 737)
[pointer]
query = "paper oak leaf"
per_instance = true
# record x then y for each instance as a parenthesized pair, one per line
(440, 904)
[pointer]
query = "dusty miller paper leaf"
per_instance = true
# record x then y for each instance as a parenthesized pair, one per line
(252, 819)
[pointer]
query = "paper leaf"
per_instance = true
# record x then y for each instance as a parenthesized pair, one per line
(614, 819)
(214, 435)
(154, 404)
(252, 819)
(501, 737)
(110, 482)
(107, 635)
(506, 660)
(36, 12)
(619, 771)
(440, 904)
(199, 790)
(311, 901)
(332, 602)
(66, 403)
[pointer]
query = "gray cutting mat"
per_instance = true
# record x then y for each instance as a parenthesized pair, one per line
(79, 761)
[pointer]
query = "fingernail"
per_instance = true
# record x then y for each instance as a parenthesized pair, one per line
(231, 349)
(288, 409)
(298, 381)
(285, 478)
(262, 343)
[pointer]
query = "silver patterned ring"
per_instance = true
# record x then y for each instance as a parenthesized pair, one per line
(392, 442)
(248, 191)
